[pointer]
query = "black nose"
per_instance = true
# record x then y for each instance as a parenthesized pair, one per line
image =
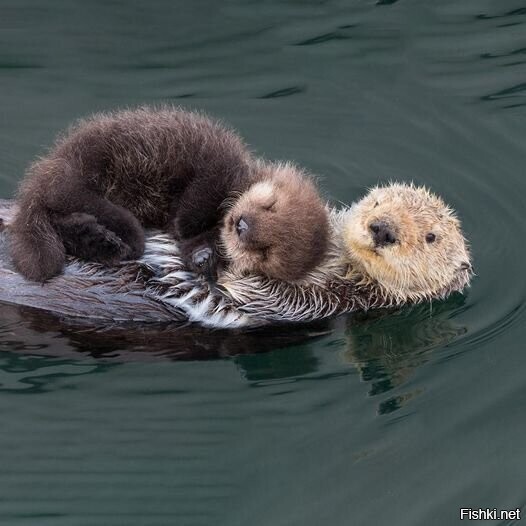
(382, 233)
(241, 226)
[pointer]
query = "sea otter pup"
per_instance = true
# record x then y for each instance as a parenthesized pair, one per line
(115, 173)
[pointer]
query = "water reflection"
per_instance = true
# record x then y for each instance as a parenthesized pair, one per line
(385, 347)
(38, 374)
(40, 332)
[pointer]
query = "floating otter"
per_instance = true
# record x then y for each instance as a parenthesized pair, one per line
(115, 173)
(360, 272)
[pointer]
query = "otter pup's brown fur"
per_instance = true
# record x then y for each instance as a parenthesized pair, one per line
(276, 208)
(114, 173)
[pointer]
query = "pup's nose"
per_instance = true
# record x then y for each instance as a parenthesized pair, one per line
(241, 226)
(382, 234)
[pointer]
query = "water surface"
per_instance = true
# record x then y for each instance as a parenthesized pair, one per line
(387, 418)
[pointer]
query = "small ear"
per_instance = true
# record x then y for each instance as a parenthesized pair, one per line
(466, 266)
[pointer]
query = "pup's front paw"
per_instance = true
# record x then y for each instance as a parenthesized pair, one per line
(202, 261)
(201, 257)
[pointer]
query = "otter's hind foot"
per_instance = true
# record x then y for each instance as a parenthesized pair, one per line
(85, 238)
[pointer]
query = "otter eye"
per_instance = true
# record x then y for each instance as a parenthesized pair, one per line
(430, 237)
(375, 204)
(270, 207)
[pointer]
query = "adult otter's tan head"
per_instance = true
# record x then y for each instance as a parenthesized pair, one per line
(409, 242)
(278, 227)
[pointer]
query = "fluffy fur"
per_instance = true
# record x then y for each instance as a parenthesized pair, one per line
(113, 174)
(288, 231)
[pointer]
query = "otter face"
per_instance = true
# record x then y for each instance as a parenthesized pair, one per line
(278, 227)
(409, 242)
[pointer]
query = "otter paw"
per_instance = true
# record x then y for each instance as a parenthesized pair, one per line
(201, 257)
(203, 261)
(85, 238)
(110, 248)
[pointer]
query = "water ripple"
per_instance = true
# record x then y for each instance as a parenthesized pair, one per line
(514, 12)
(326, 37)
(285, 92)
(508, 93)
(171, 426)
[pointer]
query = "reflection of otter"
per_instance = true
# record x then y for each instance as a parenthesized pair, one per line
(168, 169)
(44, 334)
(387, 348)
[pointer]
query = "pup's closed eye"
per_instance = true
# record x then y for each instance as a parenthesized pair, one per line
(270, 207)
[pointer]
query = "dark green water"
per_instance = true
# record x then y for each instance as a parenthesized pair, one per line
(396, 419)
